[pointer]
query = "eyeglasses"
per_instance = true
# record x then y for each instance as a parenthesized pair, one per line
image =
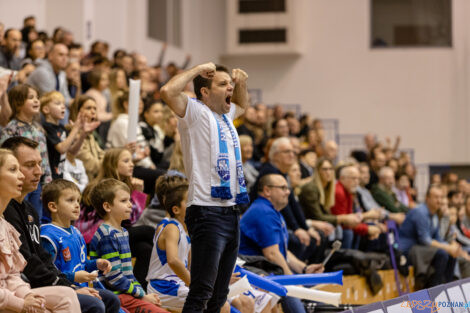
(284, 188)
(287, 151)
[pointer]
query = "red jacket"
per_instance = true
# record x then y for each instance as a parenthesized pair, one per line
(344, 205)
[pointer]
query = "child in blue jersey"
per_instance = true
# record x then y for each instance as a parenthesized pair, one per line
(65, 243)
(168, 274)
(111, 200)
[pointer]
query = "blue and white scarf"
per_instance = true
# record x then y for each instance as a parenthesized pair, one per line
(220, 166)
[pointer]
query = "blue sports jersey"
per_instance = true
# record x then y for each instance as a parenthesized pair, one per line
(70, 254)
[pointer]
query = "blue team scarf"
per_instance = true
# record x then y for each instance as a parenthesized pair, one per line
(220, 183)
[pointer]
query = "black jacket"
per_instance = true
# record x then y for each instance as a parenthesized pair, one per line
(40, 271)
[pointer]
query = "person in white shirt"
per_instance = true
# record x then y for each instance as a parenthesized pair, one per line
(212, 161)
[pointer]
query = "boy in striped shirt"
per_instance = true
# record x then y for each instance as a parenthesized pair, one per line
(111, 200)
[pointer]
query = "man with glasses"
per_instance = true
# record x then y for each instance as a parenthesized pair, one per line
(305, 242)
(263, 232)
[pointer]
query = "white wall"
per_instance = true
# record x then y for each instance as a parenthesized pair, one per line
(420, 94)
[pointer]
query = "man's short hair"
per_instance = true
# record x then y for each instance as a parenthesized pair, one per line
(201, 82)
(431, 187)
(52, 191)
(8, 31)
(265, 180)
(384, 170)
(275, 146)
(105, 191)
(13, 143)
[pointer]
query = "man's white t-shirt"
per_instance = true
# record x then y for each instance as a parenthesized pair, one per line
(194, 130)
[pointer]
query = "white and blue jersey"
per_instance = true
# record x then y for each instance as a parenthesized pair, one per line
(67, 248)
(162, 280)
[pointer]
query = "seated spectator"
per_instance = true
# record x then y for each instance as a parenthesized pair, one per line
(117, 83)
(15, 294)
(50, 75)
(317, 197)
(307, 160)
(39, 270)
(383, 192)
(99, 83)
(402, 190)
(344, 193)
(117, 138)
(35, 52)
(117, 164)
(419, 240)
(90, 152)
(75, 172)
(280, 128)
(377, 161)
(465, 218)
(331, 151)
(296, 183)
(249, 166)
(72, 72)
(302, 241)
(263, 232)
(8, 52)
(367, 201)
(151, 118)
(58, 141)
(5, 108)
(25, 107)
(111, 200)
(62, 199)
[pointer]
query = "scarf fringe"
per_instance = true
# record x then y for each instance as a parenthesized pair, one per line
(221, 192)
(242, 198)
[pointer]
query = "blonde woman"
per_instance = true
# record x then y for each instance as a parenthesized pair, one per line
(318, 196)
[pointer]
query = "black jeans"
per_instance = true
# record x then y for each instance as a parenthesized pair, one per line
(215, 237)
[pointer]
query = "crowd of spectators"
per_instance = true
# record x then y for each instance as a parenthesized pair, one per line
(73, 105)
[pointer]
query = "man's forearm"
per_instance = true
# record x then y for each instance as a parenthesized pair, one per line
(295, 263)
(177, 84)
(240, 95)
(278, 258)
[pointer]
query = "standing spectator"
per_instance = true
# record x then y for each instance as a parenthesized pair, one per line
(8, 51)
(212, 159)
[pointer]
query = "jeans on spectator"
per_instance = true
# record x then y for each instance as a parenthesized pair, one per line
(348, 239)
(141, 243)
(313, 253)
(215, 236)
(109, 302)
(292, 305)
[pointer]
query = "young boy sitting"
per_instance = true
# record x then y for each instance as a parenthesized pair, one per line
(65, 243)
(111, 200)
(58, 143)
(168, 274)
